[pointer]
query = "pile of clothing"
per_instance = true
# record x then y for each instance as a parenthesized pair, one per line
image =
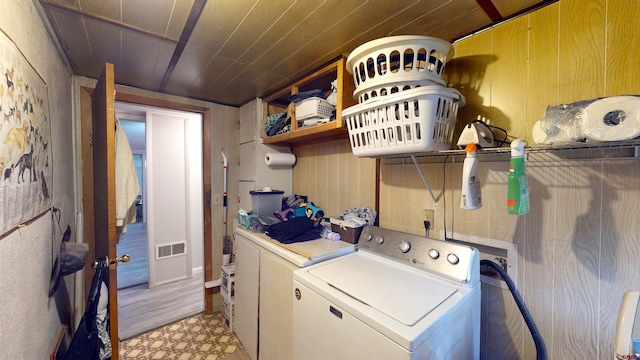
(278, 123)
(299, 221)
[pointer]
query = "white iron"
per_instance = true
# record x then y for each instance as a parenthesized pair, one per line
(477, 133)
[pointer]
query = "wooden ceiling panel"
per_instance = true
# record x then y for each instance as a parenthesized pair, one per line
(218, 21)
(463, 24)
(510, 7)
(450, 20)
(300, 52)
(105, 8)
(250, 84)
(156, 16)
(240, 49)
(193, 63)
(178, 19)
(72, 36)
(105, 43)
(260, 20)
(289, 35)
(193, 74)
(149, 73)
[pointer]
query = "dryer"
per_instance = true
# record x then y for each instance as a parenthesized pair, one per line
(400, 296)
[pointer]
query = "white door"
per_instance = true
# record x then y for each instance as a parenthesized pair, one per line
(167, 220)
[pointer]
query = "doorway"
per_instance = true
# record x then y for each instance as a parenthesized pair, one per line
(135, 241)
(148, 295)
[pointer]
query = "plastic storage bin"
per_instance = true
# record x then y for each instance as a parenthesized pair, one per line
(416, 120)
(314, 108)
(265, 203)
(397, 63)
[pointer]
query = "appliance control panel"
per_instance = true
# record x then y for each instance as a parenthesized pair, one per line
(454, 261)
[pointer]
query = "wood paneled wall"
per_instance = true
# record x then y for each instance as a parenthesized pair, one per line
(577, 247)
(333, 178)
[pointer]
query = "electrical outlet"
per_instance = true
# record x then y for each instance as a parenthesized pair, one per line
(428, 215)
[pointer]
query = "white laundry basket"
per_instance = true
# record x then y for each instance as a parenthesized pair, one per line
(314, 107)
(396, 63)
(412, 121)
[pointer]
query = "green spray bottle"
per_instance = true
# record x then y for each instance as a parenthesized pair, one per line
(517, 186)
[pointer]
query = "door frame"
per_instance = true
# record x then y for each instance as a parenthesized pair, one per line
(87, 178)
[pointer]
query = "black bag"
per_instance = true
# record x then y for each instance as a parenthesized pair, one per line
(86, 344)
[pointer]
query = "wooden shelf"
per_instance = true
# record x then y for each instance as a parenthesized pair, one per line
(320, 79)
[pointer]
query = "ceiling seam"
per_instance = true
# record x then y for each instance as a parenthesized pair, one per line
(192, 19)
(106, 20)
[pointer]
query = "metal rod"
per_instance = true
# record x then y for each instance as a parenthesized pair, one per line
(426, 183)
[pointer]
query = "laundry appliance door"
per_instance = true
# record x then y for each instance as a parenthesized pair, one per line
(326, 331)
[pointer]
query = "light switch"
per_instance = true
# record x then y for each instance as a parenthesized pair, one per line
(216, 199)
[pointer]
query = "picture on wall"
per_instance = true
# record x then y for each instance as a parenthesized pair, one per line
(25, 139)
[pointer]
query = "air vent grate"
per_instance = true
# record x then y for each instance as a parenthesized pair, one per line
(169, 250)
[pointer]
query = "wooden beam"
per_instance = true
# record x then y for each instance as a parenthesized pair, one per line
(490, 9)
(194, 14)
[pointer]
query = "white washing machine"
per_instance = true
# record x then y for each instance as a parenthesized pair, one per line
(400, 296)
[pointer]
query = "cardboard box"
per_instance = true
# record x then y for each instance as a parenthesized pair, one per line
(227, 281)
(228, 312)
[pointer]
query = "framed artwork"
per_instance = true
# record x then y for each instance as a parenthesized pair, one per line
(25, 140)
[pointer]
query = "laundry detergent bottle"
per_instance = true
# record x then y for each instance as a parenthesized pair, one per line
(517, 185)
(471, 192)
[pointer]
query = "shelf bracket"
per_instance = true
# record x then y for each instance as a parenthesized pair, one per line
(426, 183)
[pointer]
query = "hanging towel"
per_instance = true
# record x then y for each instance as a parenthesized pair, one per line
(127, 186)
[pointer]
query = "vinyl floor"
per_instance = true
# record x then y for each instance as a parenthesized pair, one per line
(140, 308)
(198, 337)
(133, 242)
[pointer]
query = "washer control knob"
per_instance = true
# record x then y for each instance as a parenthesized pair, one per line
(434, 254)
(379, 239)
(367, 237)
(453, 259)
(404, 246)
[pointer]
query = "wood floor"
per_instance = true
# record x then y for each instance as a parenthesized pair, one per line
(134, 243)
(141, 309)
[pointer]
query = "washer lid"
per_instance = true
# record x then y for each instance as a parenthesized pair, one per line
(405, 294)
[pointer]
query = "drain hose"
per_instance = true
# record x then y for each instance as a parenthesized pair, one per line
(541, 350)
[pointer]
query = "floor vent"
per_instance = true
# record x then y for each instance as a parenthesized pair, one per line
(169, 250)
